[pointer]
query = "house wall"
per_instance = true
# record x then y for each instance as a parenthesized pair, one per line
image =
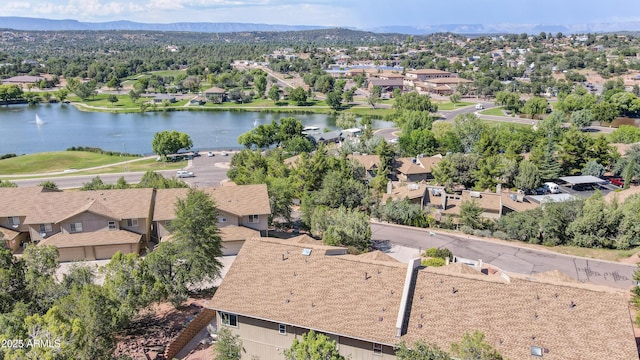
(231, 219)
(262, 224)
(262, 338)
(35, 234)
(143, 227)
(21, 227)
(90, 223)
(14, 244)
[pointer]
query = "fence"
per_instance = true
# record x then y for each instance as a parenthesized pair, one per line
(189, 332)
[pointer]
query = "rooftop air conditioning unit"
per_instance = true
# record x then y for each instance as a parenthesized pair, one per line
(474, 194)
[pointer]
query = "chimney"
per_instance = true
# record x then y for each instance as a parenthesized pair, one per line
(499, 189)
(409, 284)
(389, 187)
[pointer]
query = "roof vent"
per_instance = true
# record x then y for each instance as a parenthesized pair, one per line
(536, 351)
(419, 326)
(283, 257)
(380, 318)
(454, 290)
(306, 251)
(572, 305)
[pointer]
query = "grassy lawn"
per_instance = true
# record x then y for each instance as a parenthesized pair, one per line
(124, 101)
(143, 165)
(496, 111)
(449, 105)
(56, 161)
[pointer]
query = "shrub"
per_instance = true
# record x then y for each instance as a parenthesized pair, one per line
(433, 262)
(501, 235)
(466, 229)
(438, 253)
(482, 233)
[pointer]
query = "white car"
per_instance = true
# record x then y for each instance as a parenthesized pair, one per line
(211, 154)
(224, 153)
(393, 141)
(479, 106)
(184, 174)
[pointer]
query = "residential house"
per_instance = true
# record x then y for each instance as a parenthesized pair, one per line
(371, 163)
(416, 169)
(82, 225)
(243, 211)
(216, 95)
(334, 136)
(493, 205)
(416, 193)
(368, 305)
(160, 98)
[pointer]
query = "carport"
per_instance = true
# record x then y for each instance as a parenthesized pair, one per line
(576, 182)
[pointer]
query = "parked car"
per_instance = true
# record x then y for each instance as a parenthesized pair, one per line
(479, 106)
(616, 181)
(210, 154)
(551, 187)
(224, 153)
(184, 174)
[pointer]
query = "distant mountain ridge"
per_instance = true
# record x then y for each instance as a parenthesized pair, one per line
(38, 24)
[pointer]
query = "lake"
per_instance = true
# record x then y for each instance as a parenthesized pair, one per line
(62, 126)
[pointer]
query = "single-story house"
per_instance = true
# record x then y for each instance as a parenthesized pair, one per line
(160, 98)
(334, 136)
(387, 85)
(416, 193)
(371, 163)
(23, 80)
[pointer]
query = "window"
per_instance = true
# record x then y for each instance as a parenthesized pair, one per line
(44, 228)
(14, 221)
(112, 225)
(75, 227)
(282, 329)
(222, 219)
(377, 349)
(229, 319)
(254, 219)
(132, 222)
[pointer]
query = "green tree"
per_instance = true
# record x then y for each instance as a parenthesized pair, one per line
(192, 255)
(582, 118)
(41, 263)
(597, 225)
(85, 90)
(418, 142)
(299, 96)
(152, 179)
(625, 134)
(338, 190)
(12, 279)
(528, 177)
(134, 95)
(280, 198)
(455, 98)
(169, 142)
(334, 100)
(274, 93)
(593, 168)
(470, 213)
(313, 346)
(346, 121)
(374, 95)
(113, 99)
(474, 347)
(342, 227)
(260, 83)
(468, 128)
(228, 347)
(62, 94)
(574, 151)
(420, 351)
(535, 106)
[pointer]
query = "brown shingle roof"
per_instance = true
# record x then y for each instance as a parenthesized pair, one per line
(96, 238)
(409, 191)
(422, 165)
(215, 90)
(8, 233)
(326, 293)
(516, 315)
(359, 298)
(369, 162)
(449, 80)
(241, 200)
(236, 233)
(41, 207)
(428, 72)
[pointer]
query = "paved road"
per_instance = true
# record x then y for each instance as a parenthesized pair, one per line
(510, 257)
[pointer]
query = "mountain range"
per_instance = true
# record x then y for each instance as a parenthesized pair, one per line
(37, 24)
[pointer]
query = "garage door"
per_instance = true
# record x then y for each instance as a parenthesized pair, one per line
(70, 254)
(107, 251)
(231, 247)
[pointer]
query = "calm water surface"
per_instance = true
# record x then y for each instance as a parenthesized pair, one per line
(62, 126)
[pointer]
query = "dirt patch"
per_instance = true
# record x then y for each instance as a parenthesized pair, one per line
(154, 329)
(633, 259)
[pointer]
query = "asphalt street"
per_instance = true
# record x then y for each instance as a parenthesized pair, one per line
(509, 256)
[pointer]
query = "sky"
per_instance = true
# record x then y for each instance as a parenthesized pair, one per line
(349, 13)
